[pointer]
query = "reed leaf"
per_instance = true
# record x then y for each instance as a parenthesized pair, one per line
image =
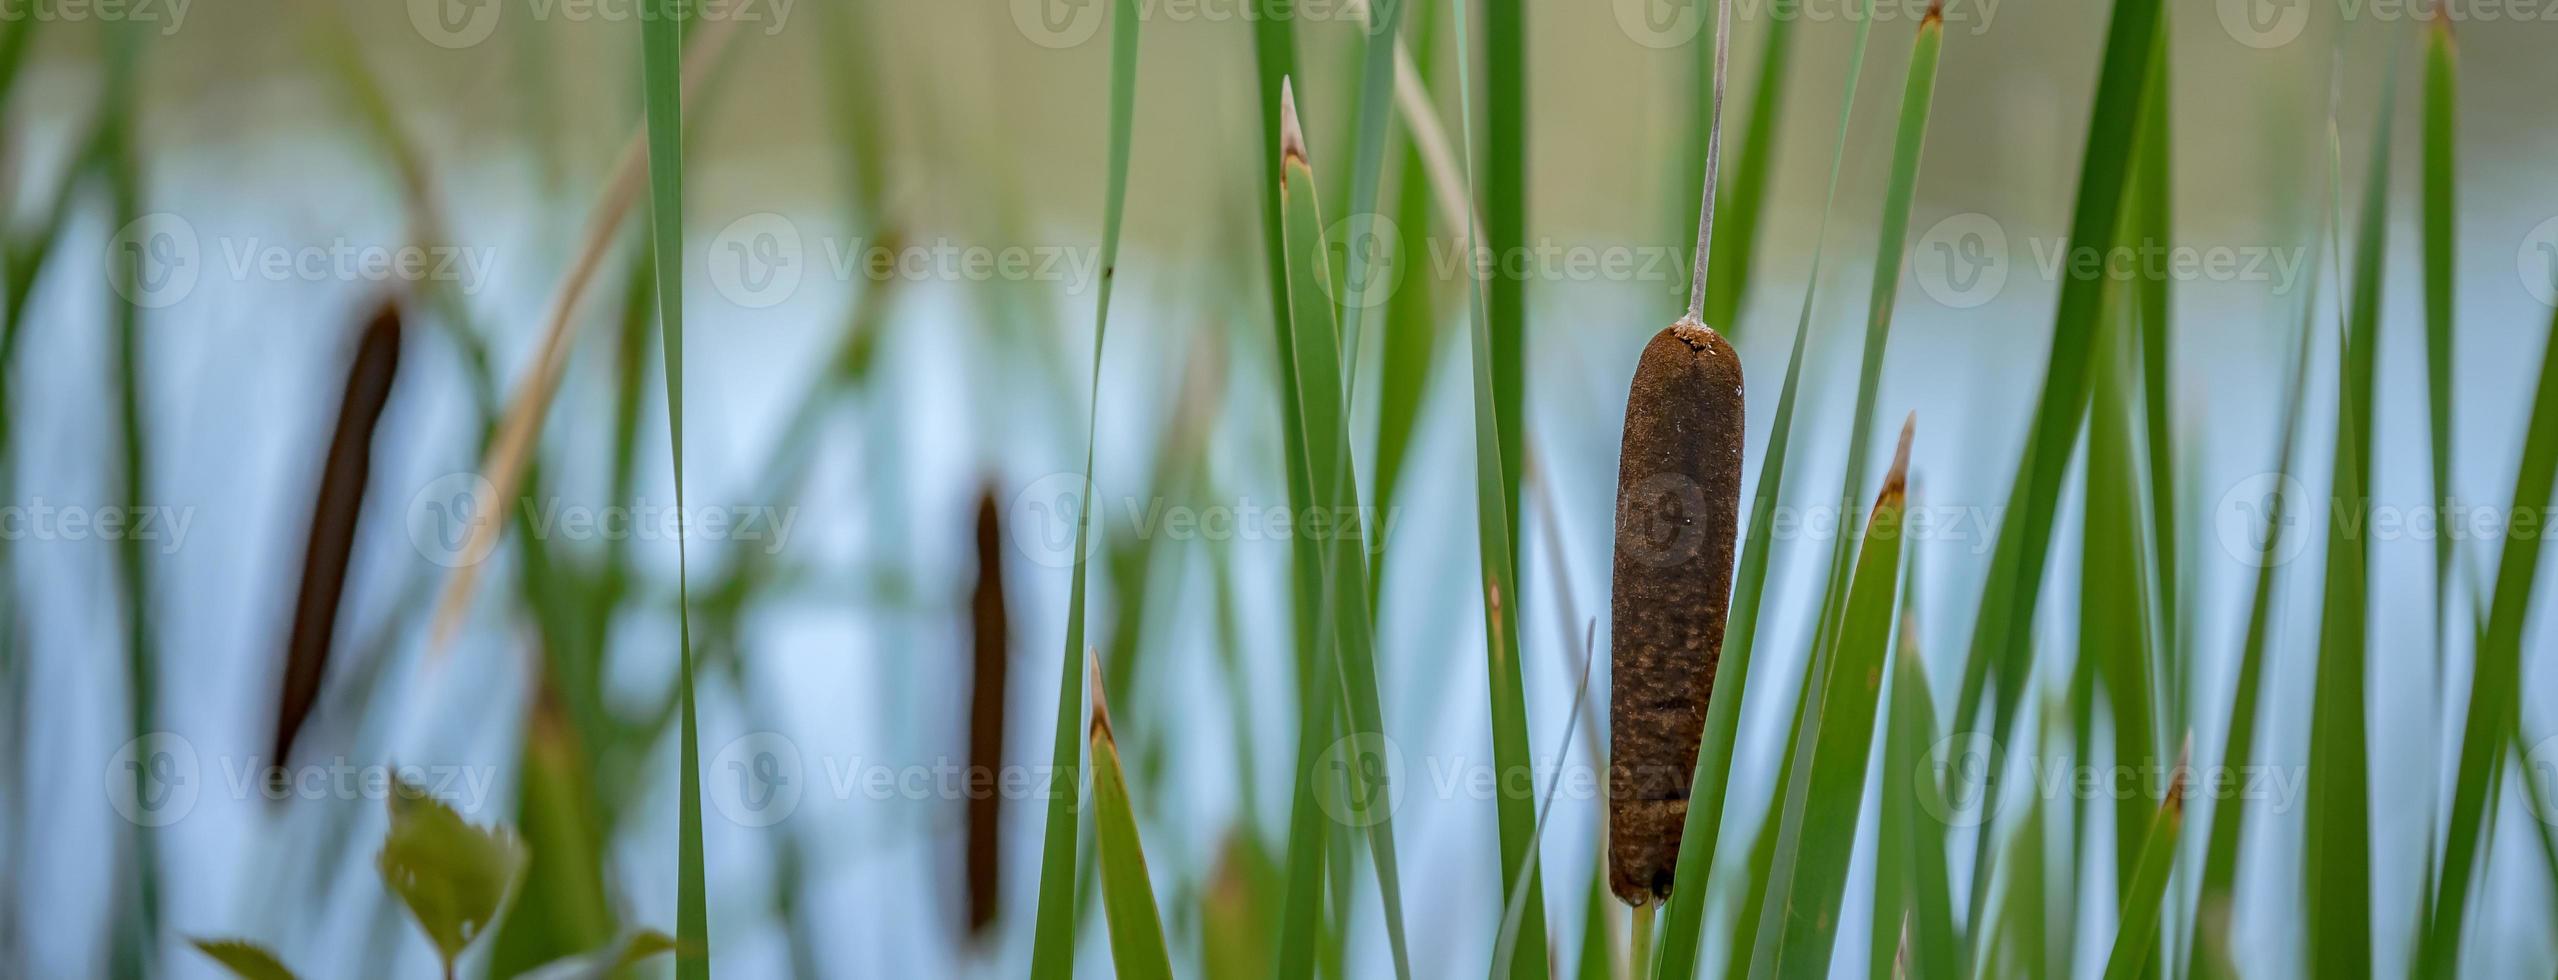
(1053, 936)
(2145, 890)
(1127, 894)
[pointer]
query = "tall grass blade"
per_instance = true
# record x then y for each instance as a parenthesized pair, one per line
(2154, 228)
(2441, 175)
(1736, 232)
(1128, 895)
(2145, 891)
(137, 924)
(1052, 955)
(2113, 621)
(1343, 601)
(662, 50)
(1835, 784)
(1497, 454)
(2337, 845)
(2002, 631)
(2491, 720)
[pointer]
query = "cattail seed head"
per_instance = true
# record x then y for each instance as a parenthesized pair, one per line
(1677, 521)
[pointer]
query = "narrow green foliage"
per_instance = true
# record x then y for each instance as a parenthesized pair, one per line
(1797, 808)
(1835, 784)
(2337, 848)
(2153, 223)
(2002, 631)
(2145, 891)
(1326, 438)
(1053, 936)
(1128, 895)
(2212, 906)
(137, 944)
(1367, 163)
(1911, 839)
(452, 876)
(1495, 321)
(2492, 718)
(1683, 919)
(2441, 121)
(1411, 340)
(2113, 621)
(662, 61)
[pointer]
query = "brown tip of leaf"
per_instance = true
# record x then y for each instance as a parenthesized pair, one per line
(1896, 481)
(1292, 135)
(2178, 777)
(1100, 731)
(1935, 15)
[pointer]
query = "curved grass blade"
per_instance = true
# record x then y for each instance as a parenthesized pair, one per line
(2113, 622)
(1835, 783)
(1683, 918)
(2212, 909)
(1343, 600)
(2145, 891)
(246, 960)
(2441, 122)
(1367, 163)
(1053, 936)
(2002, 631)
(2337, 841)
(1918, 95)
(662, 56)
(1515, 900)
(2491, 717)
(1497, 451)
(1128, 896)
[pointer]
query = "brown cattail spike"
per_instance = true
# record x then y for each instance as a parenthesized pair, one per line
(334, 510)
(989, 658)
(1678, 512)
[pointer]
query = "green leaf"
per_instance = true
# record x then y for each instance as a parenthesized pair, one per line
(246, 960)
(1053, 937)
(2145, 892)
(2002, 631)
(1910, 843)
(2441, 122)
(2491, 719)
(1835, 785)
(1128, 895)
(2337, 842)
(453, 876)
(1736, 228)
(1495, 320)
(1683, 919)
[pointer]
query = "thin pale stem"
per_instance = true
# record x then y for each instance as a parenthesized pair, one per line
(1713, 164)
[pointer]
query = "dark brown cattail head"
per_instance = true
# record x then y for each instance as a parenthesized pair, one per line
(1678, 512)
(989, 628)
(340, 499)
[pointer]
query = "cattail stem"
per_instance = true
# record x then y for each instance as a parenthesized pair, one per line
(1713, 165)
